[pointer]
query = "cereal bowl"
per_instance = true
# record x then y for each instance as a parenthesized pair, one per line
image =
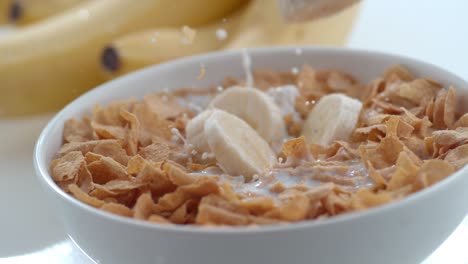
(404, 231)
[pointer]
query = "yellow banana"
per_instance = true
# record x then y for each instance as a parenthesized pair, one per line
(144, 48)
(257, 22)
(30, 11)
(260, 25)
(49, 63)
(4, 11)
(263, 25)
(330, 30)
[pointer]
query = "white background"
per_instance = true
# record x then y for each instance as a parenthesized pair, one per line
(434, 31)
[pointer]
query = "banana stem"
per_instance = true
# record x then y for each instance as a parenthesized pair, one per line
(24, 12)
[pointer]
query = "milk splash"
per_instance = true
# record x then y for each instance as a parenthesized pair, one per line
(247, 64)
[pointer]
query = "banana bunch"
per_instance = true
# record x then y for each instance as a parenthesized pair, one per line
(48, 63)
(65, 47)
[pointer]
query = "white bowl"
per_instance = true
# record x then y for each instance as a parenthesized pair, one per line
(401, 232)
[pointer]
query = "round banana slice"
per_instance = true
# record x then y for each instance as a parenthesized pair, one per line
(195, 131)
(256, 108)
(238, 148)
(333, 118)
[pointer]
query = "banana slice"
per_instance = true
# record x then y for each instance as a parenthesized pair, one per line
(256, 108)
(195, 131)
(333, 118)
(238, 148)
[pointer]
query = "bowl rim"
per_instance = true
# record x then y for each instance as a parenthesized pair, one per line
(41, 168)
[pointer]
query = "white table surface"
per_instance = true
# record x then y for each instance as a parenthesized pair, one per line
(435, 31)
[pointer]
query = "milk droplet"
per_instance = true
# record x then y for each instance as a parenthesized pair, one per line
(188, 35)
(221, 34)
(207, 155)
(247, 63)
(84, 14)
(178, 136)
